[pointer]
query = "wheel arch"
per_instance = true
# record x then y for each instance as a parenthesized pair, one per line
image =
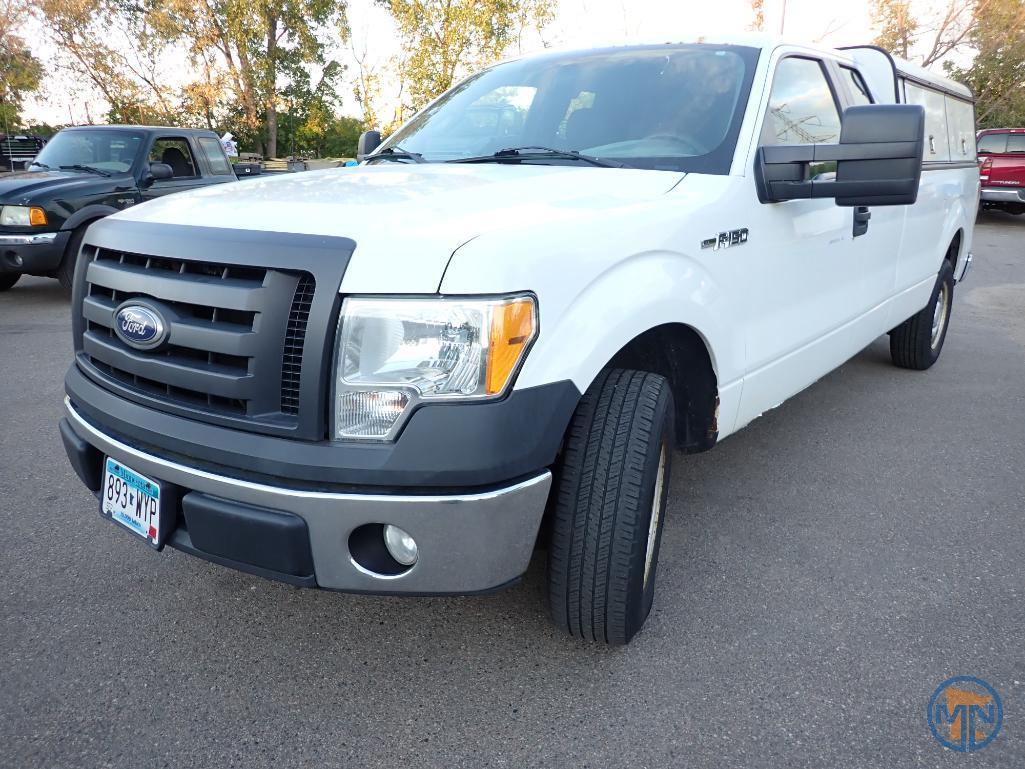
(87, 215)
(678, 352)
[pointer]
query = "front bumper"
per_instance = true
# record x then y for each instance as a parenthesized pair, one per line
(32, 253)
(468, 543)
(1002, 195)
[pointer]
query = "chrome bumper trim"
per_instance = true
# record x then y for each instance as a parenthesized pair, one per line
(1002, 195)
(43, 238)
(467, 542)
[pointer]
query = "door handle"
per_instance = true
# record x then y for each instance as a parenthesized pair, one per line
(861, 217)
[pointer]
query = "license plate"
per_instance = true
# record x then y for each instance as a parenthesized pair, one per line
(131, 499)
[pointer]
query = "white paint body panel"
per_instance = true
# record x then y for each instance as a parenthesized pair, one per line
(611, 253)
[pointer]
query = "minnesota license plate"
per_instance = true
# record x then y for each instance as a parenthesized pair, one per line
(131, 499)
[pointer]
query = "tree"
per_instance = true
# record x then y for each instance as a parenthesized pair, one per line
(443, 39)
(997, 73)
(20, 71)
(109, 44)
(257, 43)
(928, 39)
(758, 15)
(897, 27)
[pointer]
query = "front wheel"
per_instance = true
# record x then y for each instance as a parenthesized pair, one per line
(8, 279)
(917, 342)
(613, 482)
(66, 269)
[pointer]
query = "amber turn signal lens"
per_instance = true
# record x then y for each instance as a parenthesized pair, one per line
(513, 326)
(36, 217)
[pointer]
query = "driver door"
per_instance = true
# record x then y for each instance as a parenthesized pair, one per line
(810, 280)
(176, 152)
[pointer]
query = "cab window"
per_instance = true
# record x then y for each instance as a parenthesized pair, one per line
(802, 109)
(174, 152)
(992, 143)
(859, 91)
(1016, 143)
(214, 154)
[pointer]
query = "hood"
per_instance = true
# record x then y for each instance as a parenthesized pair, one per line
(23, 187)
(406, 219)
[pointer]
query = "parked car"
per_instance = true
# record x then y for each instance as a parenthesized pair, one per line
(89, 172)
(401, 377)
(1002, 152)
(17, 150)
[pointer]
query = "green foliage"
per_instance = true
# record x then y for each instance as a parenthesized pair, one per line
(20, 74)
(997, 74)
(897, 26)
(444, 39)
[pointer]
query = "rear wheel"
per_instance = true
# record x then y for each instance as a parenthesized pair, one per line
(613, 482)
(917, 342)
(8, 279)
(66, 269)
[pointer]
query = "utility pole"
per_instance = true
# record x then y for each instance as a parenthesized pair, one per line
(783, 17)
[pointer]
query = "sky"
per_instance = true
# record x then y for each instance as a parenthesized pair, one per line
(578, 24)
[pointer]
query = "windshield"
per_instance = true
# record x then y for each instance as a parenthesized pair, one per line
(106, 150)
(667, 107)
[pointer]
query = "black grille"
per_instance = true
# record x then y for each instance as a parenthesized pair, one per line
(235, 346)
(295, 338)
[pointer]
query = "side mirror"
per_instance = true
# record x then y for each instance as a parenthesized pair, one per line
(156, 172)
(368, 142)
(878, 160)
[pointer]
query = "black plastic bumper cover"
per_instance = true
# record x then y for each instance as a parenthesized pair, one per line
(268, 543)
(463, 445)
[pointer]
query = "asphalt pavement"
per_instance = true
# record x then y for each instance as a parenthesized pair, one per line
(822, 572)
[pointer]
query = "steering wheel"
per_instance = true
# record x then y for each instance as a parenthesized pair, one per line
(691, 144)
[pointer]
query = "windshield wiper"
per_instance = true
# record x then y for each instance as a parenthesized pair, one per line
(37, 163)
(90, 169)
(536, 153)
(395, 153)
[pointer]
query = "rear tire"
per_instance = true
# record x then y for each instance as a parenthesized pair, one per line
(66, 269)
(917, 342)
(8, 279)
(613, 482)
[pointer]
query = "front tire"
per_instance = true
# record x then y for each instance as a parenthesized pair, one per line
(917, 342)
(8, 279)
(613, 482)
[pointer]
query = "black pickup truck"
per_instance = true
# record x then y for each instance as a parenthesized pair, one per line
(86, 173)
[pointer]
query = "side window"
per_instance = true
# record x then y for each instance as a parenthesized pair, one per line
(175, 152)
(859, 91)
(802, 109)
(214, 154)
(992, 143)
(937, 146)
(1016, 143)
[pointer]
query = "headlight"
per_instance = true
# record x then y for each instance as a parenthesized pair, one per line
(393, 353)
(22, 216)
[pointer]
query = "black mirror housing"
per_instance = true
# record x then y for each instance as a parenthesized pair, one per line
(368, 142)
(155, 172)
(878, 160)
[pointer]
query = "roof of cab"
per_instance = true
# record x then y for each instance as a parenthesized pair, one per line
(147, 129)
(764, 40)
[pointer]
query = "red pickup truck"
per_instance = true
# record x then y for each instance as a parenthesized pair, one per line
(1002, 169)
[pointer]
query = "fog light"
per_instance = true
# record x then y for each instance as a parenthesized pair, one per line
(401, 546)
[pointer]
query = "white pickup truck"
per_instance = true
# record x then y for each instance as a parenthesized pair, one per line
(497, 331)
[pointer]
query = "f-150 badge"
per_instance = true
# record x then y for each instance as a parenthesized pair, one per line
(726, 239)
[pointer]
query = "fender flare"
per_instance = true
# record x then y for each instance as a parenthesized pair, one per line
(87, 215)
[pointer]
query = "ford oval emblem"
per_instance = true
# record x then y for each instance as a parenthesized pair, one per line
(140, 327)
